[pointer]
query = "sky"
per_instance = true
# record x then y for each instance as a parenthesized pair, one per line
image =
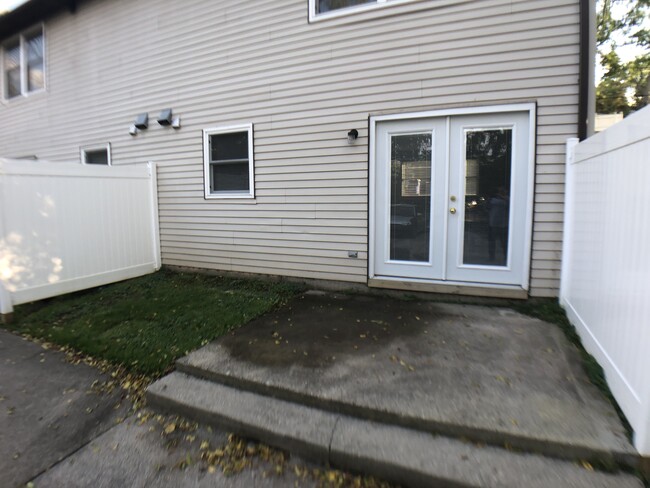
(626, 53)
(9, 4)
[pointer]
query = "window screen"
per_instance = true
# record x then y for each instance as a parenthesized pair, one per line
(229, 162)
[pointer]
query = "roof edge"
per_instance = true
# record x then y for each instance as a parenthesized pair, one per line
(30, 13)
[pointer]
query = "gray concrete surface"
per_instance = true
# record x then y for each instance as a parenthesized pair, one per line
(291, 426)
(488, 374)
(412, 458)
(47, 408)
(56, 431)
(407, 354)
(139, 455)
(418, 459)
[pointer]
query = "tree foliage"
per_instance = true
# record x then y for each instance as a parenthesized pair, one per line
(619, 78)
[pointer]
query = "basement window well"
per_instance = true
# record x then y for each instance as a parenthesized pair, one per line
(100, 154)
(228, 162)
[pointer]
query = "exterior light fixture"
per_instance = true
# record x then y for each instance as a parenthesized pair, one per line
(176, 122)
(142, 121)
(133, 130)
(352, 136)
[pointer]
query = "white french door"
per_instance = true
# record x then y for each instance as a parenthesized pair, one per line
(451, 198)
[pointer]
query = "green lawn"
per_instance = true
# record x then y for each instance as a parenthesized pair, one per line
(146, 323)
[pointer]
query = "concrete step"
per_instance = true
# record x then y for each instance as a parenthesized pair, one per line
(591, 447)
(406, 456)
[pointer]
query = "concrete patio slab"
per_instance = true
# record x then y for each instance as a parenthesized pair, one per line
(483, 373)
(47, 408)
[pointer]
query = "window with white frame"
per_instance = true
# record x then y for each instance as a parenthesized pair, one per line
(323, 6)
(322, 9)
(100, 154)
(228, 162)
(23, 64)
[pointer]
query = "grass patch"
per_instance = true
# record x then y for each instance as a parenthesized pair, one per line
(146, 323)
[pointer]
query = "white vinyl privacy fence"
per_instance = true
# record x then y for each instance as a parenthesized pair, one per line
(606, 260)
(66, 227)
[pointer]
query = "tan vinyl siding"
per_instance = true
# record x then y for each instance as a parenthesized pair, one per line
(303, 86)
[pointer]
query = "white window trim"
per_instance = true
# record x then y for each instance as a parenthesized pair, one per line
(97, 147)
(206, 162)
(23, 64)
(316, 17)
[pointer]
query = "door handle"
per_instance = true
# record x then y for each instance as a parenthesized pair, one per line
(452, 210)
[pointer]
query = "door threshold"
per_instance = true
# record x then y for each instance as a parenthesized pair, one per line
(451, 288)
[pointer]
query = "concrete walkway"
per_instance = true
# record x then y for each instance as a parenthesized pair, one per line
(470, 373)
(57, 431)
(48, 409)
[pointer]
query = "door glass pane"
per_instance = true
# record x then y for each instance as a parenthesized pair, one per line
(410, 197)
(488, 157)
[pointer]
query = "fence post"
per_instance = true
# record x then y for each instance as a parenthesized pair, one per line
(155, 226)
(642, 442)
(567, 231)
(6, 307)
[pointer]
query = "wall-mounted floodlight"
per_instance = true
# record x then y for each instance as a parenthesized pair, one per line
(352, 136)
(165, 117)
(142, 121)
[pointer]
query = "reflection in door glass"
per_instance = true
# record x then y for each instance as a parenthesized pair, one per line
(488, 155)
(410, 197)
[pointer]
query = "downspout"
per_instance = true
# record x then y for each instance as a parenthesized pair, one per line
(586, 88)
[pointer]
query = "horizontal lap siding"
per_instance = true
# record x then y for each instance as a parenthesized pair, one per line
(303, 86)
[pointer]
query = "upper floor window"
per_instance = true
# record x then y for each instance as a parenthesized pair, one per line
(322, 9)
(228, 162)
(323, 6)
(23, 64)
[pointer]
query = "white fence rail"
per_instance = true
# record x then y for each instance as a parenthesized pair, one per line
(66, 227)
(606, 260)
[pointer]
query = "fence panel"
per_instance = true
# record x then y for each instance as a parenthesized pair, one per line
(66, 227)
(606, 260)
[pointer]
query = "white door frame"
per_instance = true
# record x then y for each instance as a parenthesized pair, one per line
(531, 108)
